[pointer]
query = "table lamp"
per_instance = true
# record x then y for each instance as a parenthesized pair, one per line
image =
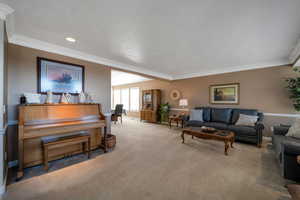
(183, 103)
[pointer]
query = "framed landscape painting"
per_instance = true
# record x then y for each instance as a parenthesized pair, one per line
(225, 94)
(59, 77)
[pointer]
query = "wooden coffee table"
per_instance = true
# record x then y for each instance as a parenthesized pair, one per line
(220, 135)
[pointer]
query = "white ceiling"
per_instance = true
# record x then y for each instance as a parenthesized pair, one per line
(168, 39)
(121, 78)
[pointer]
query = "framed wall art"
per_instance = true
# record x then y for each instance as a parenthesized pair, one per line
(59, 77)
(224, 94)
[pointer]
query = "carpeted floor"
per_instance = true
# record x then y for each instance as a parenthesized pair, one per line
(150, 162)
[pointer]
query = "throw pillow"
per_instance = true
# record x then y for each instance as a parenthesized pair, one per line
(247, 120)
(294, 131)
(196, 115)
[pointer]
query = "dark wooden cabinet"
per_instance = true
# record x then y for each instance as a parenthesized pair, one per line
(151, 100)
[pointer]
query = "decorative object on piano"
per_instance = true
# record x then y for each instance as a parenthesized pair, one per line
(111, 141)
(49, 98)
(22, 99)
(68, 97)
(63, 99)
(81, 97)
(174, 94)
(59, 77)
(32, 98)
(88, 98)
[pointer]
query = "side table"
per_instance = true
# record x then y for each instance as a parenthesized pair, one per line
(177, 119)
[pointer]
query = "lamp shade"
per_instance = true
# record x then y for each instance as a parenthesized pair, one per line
(183, 102)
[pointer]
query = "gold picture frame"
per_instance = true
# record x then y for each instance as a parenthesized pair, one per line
(224, 94)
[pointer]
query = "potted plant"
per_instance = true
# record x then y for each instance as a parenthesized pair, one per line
(164, 110)
(293, 85)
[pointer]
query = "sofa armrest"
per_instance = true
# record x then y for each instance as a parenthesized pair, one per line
(280, 130)
(291, 148)
(259, 126)
(185, 118)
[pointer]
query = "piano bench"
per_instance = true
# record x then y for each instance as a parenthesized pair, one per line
(58, 141)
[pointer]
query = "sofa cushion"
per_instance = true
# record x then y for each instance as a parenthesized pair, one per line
(221, 115)
(216, 125)
(196, 115)
(239, 130)
(247, 120)
(294, 130)
(281, 130)
(236, 113)
(194, 123)
(206, 113)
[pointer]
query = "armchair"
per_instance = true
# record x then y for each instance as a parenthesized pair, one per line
(117, 113)
(286, 149)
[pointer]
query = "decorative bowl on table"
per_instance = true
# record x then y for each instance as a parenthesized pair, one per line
(206, 129)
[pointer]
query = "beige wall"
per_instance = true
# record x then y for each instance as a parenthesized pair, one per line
(262, 89)
(22, 77)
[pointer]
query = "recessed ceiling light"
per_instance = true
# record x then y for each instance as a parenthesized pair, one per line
(70, 39)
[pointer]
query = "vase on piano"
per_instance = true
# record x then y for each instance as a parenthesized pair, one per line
(49, 98)
(68, 97)
(81, 97)
(63, 99)
(88, 98)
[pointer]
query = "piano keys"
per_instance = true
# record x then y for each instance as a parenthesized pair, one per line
(39, 120)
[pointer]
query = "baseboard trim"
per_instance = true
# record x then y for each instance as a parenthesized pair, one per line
(13, 163)
(107, 114)
(2, 189)
(12, 122)
(3, 186)
(281, 115)
(3, 130)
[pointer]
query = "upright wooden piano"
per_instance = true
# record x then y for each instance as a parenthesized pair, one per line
(39, 120)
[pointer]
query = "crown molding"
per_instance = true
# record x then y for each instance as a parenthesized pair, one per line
(45, 46)
(5, 10)
(295, 54)
(233, 69)
(297, 62)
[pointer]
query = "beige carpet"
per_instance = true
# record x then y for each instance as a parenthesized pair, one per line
(150, 162)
